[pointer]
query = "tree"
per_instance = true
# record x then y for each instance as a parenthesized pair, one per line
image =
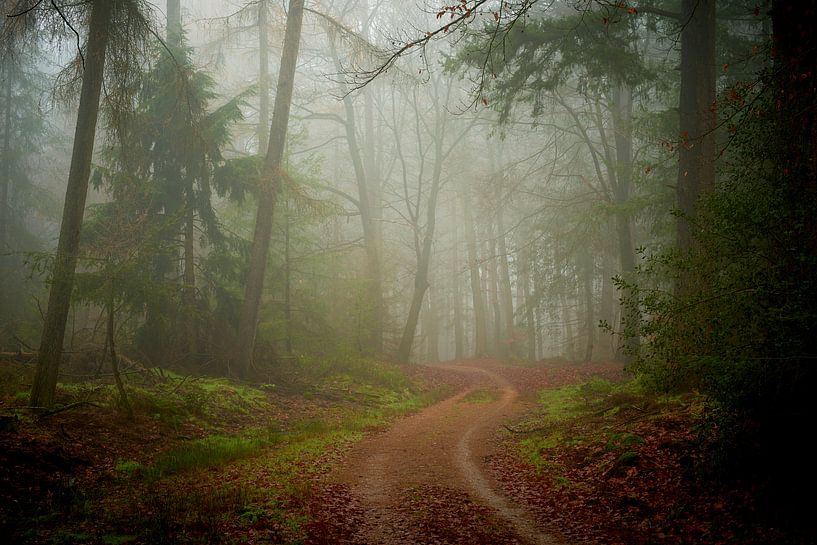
(480, 314)
(22, 136)
(696, 108)
(65, 261)
(421, 207)
(163, 162)
(368, 200)
(270, 183)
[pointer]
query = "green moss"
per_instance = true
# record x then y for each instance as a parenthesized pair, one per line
(129, 468)
(533, 451)
(623, 440)
(628, 458)
(560, 404)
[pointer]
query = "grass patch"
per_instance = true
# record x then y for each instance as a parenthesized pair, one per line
(211, 451)
(585, 414)
(622, 440)
(533, 449)
(182, 495)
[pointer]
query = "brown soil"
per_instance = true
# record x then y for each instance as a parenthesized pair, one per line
(424, 481)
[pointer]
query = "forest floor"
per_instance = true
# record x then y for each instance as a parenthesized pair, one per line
(485, 454)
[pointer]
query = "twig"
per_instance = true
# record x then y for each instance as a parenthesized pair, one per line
(52, 412)
(21, 341)
(179, 385)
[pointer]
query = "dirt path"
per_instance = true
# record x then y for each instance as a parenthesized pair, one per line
(422, 480)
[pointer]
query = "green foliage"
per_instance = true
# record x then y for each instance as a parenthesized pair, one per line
(159, 171)
(735, 317)
(581, 414)
(211, 451)
(533, 59)
(129, 468)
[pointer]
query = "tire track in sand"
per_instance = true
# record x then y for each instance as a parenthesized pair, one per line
(442, 446)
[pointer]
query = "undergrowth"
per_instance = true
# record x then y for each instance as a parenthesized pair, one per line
(597, 411)
(232, 456)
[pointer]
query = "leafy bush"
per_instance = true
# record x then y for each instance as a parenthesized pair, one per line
(736, 317)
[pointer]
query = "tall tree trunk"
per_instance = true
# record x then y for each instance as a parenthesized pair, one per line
(538, 289)
(623, 129)
(506, 295)
(270, 184)
(424, 261)
(480, 326)
(263, 76)
(568, 343)
(287, 281)
(374, 253)
(174, 23)
(370, 209)
(65, 261)
(189, 321)
(5, 179)
(794, 27)
(696, 155)
(589, 319)
(498, 344)
(459, 341)
(432, 327)
(189, 290)
(530, 324)
(608, 294)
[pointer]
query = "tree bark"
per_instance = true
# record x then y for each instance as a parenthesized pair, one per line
(287, 282)
(424, 262)
(268, 190)
(374, 252)
(65, 262)
(795, 40)
(432, 328)
(480, 326)
(569, 349)
(263, 76)
(498, 344)
(189, 289)
(505, 292)
(530, 324)
(608, 294)
(370, 210)
(589, 319)
(5, 181)
(537, 311)
(696, 155)
(623, 135)
(459, 341)
(188, 320)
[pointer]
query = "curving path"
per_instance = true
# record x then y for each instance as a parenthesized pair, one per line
(442, 447)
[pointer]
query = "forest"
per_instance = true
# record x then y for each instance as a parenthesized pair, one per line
(432, 272)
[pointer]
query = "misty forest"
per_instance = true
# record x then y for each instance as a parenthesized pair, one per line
(473, 272)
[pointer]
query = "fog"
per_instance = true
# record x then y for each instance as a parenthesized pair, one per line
(467, 180)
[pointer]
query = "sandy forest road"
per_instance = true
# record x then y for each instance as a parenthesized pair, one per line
(422, 481)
